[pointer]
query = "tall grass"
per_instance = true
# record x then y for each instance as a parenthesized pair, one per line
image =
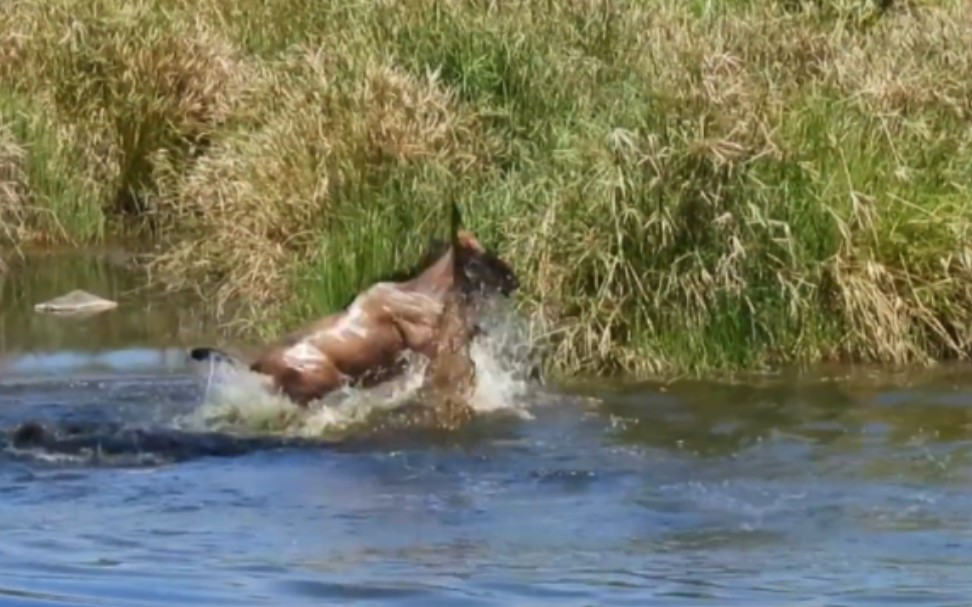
(683, 186)
(48, 198)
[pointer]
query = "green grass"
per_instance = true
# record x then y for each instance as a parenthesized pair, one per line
(48, 195)
(684, 187)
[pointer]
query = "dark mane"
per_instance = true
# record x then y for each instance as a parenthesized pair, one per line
(435, 249)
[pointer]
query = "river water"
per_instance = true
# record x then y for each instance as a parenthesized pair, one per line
(845, 488)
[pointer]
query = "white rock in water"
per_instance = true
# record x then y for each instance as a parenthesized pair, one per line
(76, 302)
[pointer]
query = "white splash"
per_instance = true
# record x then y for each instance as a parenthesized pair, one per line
(238, 400)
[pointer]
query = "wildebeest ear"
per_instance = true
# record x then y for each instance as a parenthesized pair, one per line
(467, 240)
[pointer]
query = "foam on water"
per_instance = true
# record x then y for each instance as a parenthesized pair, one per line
(238, 400)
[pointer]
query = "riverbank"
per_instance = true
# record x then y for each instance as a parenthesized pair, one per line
(683, 189)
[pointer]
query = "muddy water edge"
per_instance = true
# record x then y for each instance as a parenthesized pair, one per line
(843, 487)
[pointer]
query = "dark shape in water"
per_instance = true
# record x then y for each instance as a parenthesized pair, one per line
(113, 443)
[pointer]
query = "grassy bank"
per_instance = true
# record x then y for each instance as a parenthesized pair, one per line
(683, 186)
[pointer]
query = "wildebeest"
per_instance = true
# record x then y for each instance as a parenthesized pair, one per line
(425, 311)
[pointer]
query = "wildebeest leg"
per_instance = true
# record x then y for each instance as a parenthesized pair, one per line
(302, 387)
(451, 374)
(417, 337)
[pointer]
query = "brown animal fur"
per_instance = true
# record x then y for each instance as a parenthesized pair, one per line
(450, 376)
(365, 343)
(443, 401)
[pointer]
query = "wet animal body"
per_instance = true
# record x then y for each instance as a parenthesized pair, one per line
(426, 312)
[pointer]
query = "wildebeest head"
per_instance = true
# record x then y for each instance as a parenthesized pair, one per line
(483, 269)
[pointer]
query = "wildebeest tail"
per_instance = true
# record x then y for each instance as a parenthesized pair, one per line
(214, 356)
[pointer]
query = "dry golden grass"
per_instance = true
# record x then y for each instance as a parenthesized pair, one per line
(258, 198)
(684, 187)
(11, 188)
(127, 81)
